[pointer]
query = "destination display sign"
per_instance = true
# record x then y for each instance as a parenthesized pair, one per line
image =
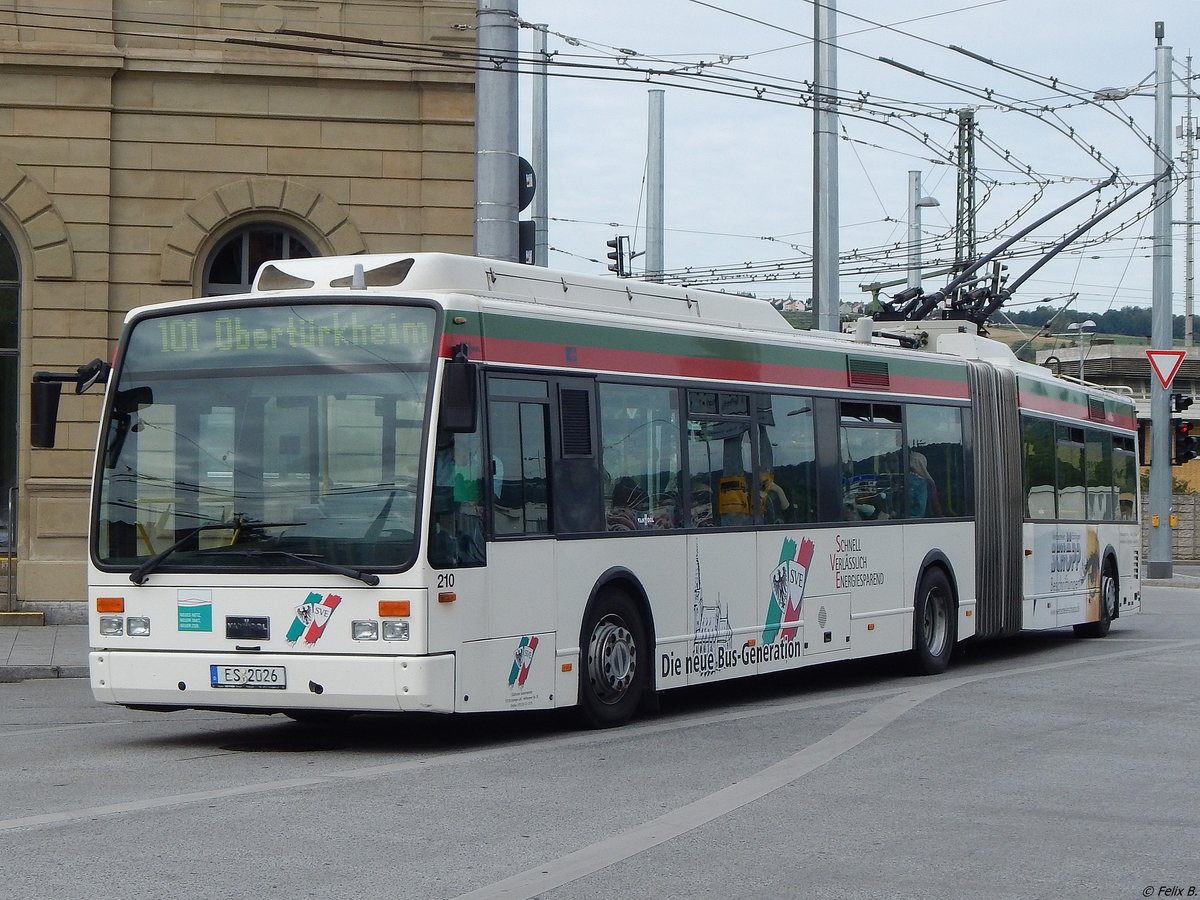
(273, 336)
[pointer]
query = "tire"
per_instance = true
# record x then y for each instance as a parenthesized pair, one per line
(1109, 591)
(935, 619)
(615, 668)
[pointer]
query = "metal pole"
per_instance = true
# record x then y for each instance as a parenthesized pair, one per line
(655, 178)
(965, 245)
(826, 296)
(541, 155)
(496, 166)
(10, 562)
(1189, 130)
(914, 228)
(1159, 544)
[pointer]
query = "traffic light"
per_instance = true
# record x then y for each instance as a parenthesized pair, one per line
(1180, 402)
(526, 241)
(618, 253)
(1185, 447)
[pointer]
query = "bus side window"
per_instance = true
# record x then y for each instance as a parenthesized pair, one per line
(936, 478)
(1069, 474)
(1125, 475)
(1101, 505)
(787, 460)
(720, 456)
(873, 483)
(639, 440)
(1037, 438)
(719, 463)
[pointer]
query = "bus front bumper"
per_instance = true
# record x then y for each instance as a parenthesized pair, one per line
(285, 682)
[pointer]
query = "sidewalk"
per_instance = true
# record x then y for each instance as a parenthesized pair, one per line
(43, 651)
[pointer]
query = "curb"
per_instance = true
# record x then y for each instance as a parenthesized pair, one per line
(10, 674)
(1175, 581)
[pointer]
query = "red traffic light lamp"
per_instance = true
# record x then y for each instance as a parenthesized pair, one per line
(1185, 443)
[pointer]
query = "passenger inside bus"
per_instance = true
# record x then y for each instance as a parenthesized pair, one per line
(773, 501)
(923, 498)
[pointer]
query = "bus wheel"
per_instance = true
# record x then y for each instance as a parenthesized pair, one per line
(933, 623)
(613, 676)
(1108, 604)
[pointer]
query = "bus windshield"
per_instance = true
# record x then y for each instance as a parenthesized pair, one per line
(285, 437)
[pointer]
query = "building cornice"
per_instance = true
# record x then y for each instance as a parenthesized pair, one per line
(240, 62)
(266, 61)
(61, 56)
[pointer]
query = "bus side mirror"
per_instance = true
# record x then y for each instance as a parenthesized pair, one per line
(43, 412)
(457, 414)
(95, 372)
(46, 391)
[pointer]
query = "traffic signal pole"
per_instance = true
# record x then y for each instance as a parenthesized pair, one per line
(1159, 564)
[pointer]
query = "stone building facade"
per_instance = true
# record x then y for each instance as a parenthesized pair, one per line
(153, 150)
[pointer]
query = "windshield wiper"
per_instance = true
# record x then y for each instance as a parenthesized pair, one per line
(369, 578)
(141, 574)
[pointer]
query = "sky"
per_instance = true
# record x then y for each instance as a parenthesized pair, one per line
(738, 134)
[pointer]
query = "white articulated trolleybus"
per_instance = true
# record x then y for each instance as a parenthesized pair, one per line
(436, 483)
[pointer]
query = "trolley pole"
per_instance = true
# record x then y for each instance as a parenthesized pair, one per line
(496, 166)
(1160, 563)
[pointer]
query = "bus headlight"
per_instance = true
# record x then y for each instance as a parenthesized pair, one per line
(137, 626)
(112, 625)
(364, 630)
(395, 630)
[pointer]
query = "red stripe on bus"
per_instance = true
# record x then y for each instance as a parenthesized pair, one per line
(1069, 409)
(647, 363)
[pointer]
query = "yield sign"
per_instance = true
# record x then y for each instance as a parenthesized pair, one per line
(1165, 364)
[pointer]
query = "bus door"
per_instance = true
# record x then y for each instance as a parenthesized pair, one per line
(504, 627)
(521, 554)
(723, 507)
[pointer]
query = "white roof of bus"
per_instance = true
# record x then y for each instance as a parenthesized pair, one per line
(426, 273)
(432, 274)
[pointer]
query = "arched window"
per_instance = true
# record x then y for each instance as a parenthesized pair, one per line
(231, 267)
(10, 306)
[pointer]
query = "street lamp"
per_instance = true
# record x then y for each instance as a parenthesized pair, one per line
(1080, 327)
(915, 203)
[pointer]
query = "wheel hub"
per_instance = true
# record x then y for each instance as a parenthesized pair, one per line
(1108, 595)
(935, 623)
(612, 660)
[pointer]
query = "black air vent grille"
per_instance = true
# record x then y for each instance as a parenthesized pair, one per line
(575, 415)
(868, 373)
